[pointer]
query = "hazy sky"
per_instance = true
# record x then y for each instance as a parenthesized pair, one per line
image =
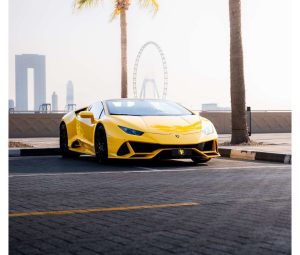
(84, 46)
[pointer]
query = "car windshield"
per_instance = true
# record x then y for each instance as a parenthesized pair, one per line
(135, 107)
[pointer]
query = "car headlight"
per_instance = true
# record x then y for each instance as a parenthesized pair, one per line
(131, 131)
(207, 128)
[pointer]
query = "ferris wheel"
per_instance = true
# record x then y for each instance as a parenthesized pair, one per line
(165, 70)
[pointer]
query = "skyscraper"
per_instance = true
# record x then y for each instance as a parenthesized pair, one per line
(70, 93)
(22, 63)
(54, 102)
(11, 104)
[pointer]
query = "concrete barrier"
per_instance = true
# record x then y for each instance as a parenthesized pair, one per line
(262, 122)
(22, 125)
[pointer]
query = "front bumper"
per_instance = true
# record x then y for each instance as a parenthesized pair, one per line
(191, 145)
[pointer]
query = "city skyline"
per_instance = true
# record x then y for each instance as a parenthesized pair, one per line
(37, 63)
(22, 64)
(197, 51)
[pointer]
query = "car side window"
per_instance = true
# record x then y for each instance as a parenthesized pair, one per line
(96, 109)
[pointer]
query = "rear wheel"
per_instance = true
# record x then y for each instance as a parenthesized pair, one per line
(200, 160)
(101, 144)
(63, 142)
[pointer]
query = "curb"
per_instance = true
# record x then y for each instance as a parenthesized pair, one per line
(34, 152)
(226, 153)
(256, 155)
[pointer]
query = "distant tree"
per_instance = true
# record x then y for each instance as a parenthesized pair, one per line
(121, 6)
(237, 88)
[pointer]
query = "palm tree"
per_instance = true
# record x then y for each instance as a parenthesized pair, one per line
(237, 88)
(121, 6)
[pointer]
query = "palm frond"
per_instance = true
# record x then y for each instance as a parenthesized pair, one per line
(115, 13)
(119, 6)
(79, 4)
(153, 3)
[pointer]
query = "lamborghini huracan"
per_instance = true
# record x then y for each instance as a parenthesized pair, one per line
(138, 129)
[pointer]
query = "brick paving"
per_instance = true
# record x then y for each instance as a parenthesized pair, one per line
(240, 211)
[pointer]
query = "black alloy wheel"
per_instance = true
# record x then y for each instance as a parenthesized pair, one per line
(63, 142)
(199, 160)
(101, 144)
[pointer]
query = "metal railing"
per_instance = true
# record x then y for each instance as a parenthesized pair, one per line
(37, 112)
(44, 109)
(251, 110)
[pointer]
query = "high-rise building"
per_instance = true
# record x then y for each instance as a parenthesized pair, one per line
(54, 102)
(70, 93)
(11, 104)
(70, 106)
(22, 63)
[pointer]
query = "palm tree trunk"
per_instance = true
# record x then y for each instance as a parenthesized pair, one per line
(123, 54)
(237, 88)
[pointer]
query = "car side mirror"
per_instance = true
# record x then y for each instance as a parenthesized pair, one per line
(87, 115)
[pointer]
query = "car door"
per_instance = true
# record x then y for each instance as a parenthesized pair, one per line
(86, 126)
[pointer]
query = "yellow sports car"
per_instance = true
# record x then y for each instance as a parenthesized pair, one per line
(138, 129)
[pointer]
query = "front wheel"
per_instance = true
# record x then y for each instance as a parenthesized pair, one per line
(200, 160)
(101, 144)
(63, 143)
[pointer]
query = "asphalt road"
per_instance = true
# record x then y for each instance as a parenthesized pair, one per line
(76, 206)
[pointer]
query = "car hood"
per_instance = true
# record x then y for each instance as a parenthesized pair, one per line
(161, 124)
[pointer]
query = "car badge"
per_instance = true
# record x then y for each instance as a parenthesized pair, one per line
(177, 136)
(181, 152)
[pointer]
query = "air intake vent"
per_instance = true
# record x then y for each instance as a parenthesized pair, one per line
(123, 150)
(140, 147)
(208, 146)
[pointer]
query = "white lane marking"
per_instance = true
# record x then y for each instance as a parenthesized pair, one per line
(150, 170)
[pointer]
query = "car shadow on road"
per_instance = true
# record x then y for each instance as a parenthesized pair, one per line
(148, 163)
(84, 164)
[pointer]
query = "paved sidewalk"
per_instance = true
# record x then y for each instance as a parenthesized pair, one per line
(38, 142)
(275, 143)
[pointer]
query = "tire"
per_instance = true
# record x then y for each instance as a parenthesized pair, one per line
(63, 143)
(101, 149)
(199, 160)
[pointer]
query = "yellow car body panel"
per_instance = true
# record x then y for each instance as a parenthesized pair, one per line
(165, 133)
